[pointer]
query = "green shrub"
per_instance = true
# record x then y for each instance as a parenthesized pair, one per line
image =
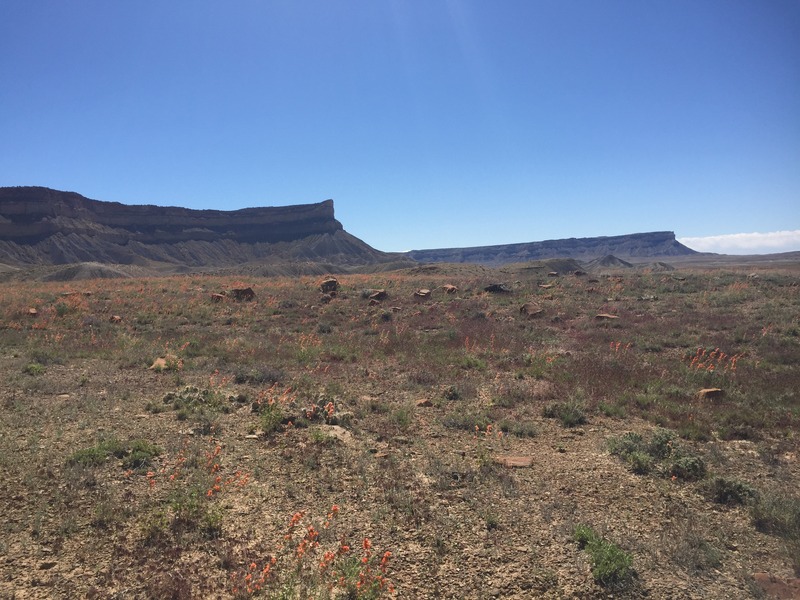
(730, 491)
(571, 414)
(640, 463)
(777, 513)
(34, 369)
(271, 418)
(661, 452)
(688, 467)
(611, 565)
(136, 454)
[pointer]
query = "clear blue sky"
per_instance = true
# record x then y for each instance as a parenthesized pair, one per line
(430, 123)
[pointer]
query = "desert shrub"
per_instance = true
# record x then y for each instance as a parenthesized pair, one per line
(271, 418)
(34, 369)
(660, 453)
(611, 565)
(661, 442)
(729, 491)
(571, 414)
(466, 420)
(517, 428)
(136, 454)
(511, 395)
(683, 542)
(612, 410)
(640, 463)
(688, 467)
(452, 392)
(778, 513)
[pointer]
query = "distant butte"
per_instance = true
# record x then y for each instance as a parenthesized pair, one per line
(636, 245)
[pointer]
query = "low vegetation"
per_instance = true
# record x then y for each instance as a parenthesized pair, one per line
(157, 441)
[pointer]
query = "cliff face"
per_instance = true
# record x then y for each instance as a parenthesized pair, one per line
(43, 226)
(638, 245)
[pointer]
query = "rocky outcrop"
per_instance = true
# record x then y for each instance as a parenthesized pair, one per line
(637, 245)
(41, 226)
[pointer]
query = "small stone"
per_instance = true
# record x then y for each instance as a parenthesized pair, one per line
(424, 402)
(605, 317)
(514, 460)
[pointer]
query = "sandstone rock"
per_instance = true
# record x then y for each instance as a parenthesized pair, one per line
(378, 295)
(530, 310)
(710, 394)
(32, 312)
(605, 317)
(514, 460)
(449, 289)
(424, 402)
(777, 588)
(331, 284)
(217, 297)
(422, 294)
(115, 319)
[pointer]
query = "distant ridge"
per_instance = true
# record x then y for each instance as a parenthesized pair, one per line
(636, 245)
(42, 226)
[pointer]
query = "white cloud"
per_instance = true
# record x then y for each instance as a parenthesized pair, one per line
(746, 243)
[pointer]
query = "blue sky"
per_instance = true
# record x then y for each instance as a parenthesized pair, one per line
(430, 123)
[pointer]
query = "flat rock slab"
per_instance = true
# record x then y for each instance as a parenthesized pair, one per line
(774, 587)
(710, 394)
(514, 460)
(340, 433)
(605, 317)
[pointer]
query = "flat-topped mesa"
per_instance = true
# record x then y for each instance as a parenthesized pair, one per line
(639, 245)
(31, 214)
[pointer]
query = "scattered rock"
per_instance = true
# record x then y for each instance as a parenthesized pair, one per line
(531, 310)
(514, 460)
(163, 362)
(217, 297)
(338, 432)
(497, 288)
(378, 295)
(326, 298)
(647, 298)
(449, 289)
(579, 273)
(545, 286)
(774, 587)
(115, 319)
(331, 284)
(422, 294)
(605, 317)
(32, 312)
(553, 274)
(710, 394)
(424, 402)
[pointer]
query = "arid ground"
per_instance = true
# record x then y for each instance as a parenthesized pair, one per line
(157, 441)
